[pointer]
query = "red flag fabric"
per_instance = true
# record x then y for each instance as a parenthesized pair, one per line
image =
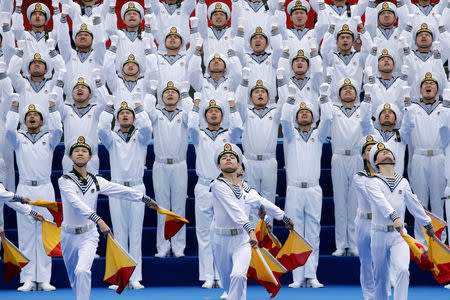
(13, 260)
(295, 252)
(418, 253)
(173, 223)
(267, 239)
(260, 271)
(51, 238)
(438, 223)
(54, 207)
(439, 254)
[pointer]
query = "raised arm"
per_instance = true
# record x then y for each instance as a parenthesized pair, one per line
(12, 121)
(194, 121)
(54, 124)
(104, 127)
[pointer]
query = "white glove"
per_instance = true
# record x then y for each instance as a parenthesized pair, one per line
(96, 12)
(112, 3)
(246, 73)
(285, 45)
(51, 44)
(446, 95)
(2, 67)
(137, 96)
(312, 43)
(367, 88)
(65, 9)
(357, 20)
(148, 19)
(333, 20)
(198, 42)
(197, 96)
(376, 41)
(281, 2)
(241, 21)
(230, 96)
(406, 91)
(410, 20)
(280, 73)
(61, 74)
(96, 74)
(15, 97)
(403, 42)
(404, 69)
(148, 3)
(110, 99)
(274, 21)
(4, 17)
(20, 45)
(438, 18)
(368, 71)
(330, 71)
(436, 46)
(292, 90)
(323, 89)
(18, 3)
(153, 85)
(114, 40)
(53, 96)
(55, 3)
(194, 22)
(185, 87)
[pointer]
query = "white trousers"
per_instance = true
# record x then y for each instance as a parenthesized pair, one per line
(92, 166)
(428, 183)
(362, 232)
(78, 252)
(232, 256)
(170, 185)
(39, 268)
(344, 195)
(203, 219)
(304, 207)
(447, 207)
(390, 248)
(262, 176)
(127, 219)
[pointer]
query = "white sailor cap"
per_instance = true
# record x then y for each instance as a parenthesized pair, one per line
(228, 148)
(32, 108)
(219, 7)
(373, 154)
(424, 27)
(387, 106)
(38, 7)
(298, 5)
(131, 6)
(386, 6)
(82, 81)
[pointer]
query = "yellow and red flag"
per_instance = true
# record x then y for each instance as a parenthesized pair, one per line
(173, 223)
(119, 265)
(418, 253)
(267, 239)
(439, 254)
(295, 251)
(438, 224)
(54, 207)
(13, 259)
(51, 238)
(260, 270)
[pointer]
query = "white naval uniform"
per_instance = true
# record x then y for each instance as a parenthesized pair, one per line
(127, 155)
(232, 253)
(205, 143)
(346, 134)
(79, 205)
(363, 222)
(387, 91)
(426, 14)
(444, 119)
(389, 197)
(170, 133)
(81, 13)
(83, 122)
(304, 194)
(426, 171)
(393, 141)
(34, 160)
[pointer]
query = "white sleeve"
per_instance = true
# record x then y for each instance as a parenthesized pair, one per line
(415, 207)
(119, 191)
(104, 129)
(271, 209)
(69, 194)
(377, 197)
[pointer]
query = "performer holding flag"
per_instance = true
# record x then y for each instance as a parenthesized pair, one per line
(79, 236)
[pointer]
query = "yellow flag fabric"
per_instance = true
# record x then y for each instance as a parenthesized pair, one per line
(119, 265)
(438, 224)
(173, 222)
(274, 265)
(418, 253)
(260, 271)
(13, 259)
(51, 238)
(55, 208)
(267, 239)
(295, 251)
(439, 254)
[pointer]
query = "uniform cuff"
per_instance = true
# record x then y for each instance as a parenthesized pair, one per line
(3, 75)
(52, 108)
(291, 100)
(94, 217)
(138, 109)
(240, 34)
(16, 110)
(248, 227)
(33, 213)
(60, 83)
(109, 109)
(428, 226)
(16, 197)
(233, 109)
(6, 28)
(97, 21)
(286, 219)
(394, 216)
(195, 109)
(146, 199)
(63, 19)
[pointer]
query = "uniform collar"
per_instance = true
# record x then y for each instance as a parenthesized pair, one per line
(213, 134)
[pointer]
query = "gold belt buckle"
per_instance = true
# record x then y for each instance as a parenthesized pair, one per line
(304, 185)
(390, 228)
(78, 230)
(34, 182)
(170, 161)
(430, 152)
(259, 157)
(369, 216)
(234, 231)
(126, 183)
(348, 152)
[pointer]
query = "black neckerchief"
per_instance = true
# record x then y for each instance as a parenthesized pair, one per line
(237, 190)
(305, 134)
(392, 183)
(126, 136)
(83, 183)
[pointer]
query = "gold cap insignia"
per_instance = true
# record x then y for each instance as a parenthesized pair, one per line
(424, 26)
(258, 29)
(387, 106)
(38, 6)
(37, 56)
(300, 52)
(369, 138)
(131, 5)
(298, 3)
(303, 105)
(227, 147)
(218, 5)
(345, 27)
(259, 82)
(81, 80)
(428, 75)
(217, 55)
(31, 107)
(131, 57)
(124, 104)
(384, 52)
(173, 30)
(212, 102)
(170, 84)
(385, 5)
(81, 139)
(347, 81)
(83, 26)
(380, 146)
